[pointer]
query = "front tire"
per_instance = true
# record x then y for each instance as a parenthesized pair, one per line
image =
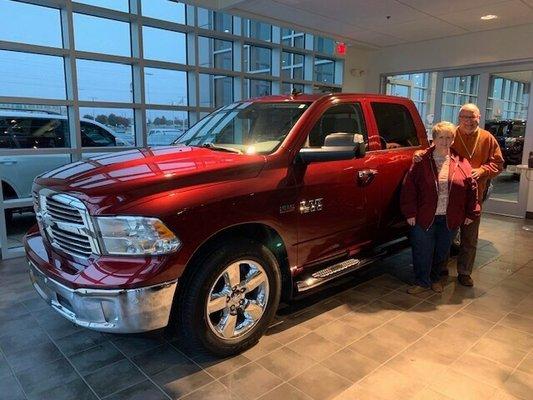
(229, 301)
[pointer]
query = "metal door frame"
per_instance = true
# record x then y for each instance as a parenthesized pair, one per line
(493, 205)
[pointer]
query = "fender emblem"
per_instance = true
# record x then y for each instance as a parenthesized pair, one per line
(308, 206)
(286, 208)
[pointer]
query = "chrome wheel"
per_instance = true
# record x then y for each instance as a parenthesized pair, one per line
(237, 299)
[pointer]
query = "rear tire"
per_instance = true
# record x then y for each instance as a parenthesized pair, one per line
(229, 301)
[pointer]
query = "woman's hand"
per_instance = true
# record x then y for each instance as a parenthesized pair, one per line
(417, 156)
(468, 221)
(411, 221)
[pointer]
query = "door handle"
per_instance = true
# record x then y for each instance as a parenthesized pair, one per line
(8, 162)
(366, 176)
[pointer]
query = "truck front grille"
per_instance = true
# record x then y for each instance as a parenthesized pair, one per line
(66, 223)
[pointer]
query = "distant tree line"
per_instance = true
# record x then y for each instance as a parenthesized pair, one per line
(110, 120)
(115, 120)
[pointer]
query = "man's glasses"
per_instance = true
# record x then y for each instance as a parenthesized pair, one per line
(467, 117)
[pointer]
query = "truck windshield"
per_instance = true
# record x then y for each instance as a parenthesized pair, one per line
(248, 127)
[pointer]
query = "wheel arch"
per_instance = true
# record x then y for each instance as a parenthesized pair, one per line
(8, 190)
(260, 232)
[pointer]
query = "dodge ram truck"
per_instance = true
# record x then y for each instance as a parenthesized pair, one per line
(259, 202)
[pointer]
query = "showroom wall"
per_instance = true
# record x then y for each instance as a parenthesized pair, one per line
(489, 47)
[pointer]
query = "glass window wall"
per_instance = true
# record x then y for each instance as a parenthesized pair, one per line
(186, 71)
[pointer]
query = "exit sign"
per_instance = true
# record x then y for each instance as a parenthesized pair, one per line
(340, 48)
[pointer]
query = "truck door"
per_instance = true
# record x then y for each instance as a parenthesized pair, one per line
(394, 136)
(331, 197)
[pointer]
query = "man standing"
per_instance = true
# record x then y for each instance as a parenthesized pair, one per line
(481, 149)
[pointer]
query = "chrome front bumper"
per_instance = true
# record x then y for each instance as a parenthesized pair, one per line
(114, 310)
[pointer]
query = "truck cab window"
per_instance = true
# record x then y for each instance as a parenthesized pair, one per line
(345, 118)
(395, 125)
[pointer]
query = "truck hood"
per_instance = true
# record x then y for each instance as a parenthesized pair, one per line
(121, 177)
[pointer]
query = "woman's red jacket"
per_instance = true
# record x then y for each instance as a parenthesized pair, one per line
(420, 191)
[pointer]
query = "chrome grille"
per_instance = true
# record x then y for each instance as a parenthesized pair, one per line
(35, 197)
(66, 222)
(63, 212)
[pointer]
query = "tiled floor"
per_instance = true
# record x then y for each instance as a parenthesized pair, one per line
(370, 341)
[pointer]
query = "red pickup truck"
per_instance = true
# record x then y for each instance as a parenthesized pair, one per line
(261, 200)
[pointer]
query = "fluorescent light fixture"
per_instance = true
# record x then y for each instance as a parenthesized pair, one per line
(488, 17)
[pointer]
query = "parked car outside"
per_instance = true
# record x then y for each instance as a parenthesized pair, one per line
(262, 201)
(163, 136)
(41, 130)
(510, 135)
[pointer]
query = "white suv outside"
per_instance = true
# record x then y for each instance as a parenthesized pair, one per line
(40, 130)
(163, 136)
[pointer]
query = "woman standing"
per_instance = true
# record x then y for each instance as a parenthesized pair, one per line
(438, 195)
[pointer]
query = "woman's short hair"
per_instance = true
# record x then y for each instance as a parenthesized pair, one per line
(441, 127)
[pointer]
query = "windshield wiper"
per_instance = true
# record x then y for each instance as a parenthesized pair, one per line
(221, 148)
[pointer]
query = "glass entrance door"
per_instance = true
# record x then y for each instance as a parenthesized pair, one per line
(506, 118)
(503, 97)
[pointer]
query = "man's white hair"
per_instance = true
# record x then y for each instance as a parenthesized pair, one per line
(470, 107)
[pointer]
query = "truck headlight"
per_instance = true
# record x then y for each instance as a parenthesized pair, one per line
(136, 236)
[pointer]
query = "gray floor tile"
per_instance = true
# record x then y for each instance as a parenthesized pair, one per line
(286, 363)
(56, 326)
(79, 341)
(44, 377)
(182, 379)
(4, 367)
(10, 388)
(285, 391)
(250, 381)
(213, 391)
(142, 391)
(114, 378)
(320, 383)
(95, 358)
(132, 345)
(74, 390)
(218, 367)
(159, 359)
(13, 312)
(350, 365)
(43, 353)
(15, 341)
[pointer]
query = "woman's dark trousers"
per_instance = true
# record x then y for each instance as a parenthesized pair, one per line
(430, 250)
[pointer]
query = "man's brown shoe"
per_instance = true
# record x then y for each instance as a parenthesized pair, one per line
(416, 289)
(437, 287)
(465, 280)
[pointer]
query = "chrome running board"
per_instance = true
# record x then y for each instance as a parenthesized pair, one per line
(334, 271)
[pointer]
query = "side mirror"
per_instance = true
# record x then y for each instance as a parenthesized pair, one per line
(337, 146)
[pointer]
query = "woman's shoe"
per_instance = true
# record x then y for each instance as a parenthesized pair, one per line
(437, 287)
(416, 289)
(465, 280)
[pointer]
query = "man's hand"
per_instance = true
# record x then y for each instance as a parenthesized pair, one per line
(476, 173)
(468, 221)
(417, 156)
(411, 221)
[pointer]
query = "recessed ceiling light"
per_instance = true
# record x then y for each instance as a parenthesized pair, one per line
(489, 17)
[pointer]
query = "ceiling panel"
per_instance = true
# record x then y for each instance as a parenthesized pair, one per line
(510, 13)
(365, 22)
(362, 13)
(427, 28)
(378, 39)
(434, 7)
